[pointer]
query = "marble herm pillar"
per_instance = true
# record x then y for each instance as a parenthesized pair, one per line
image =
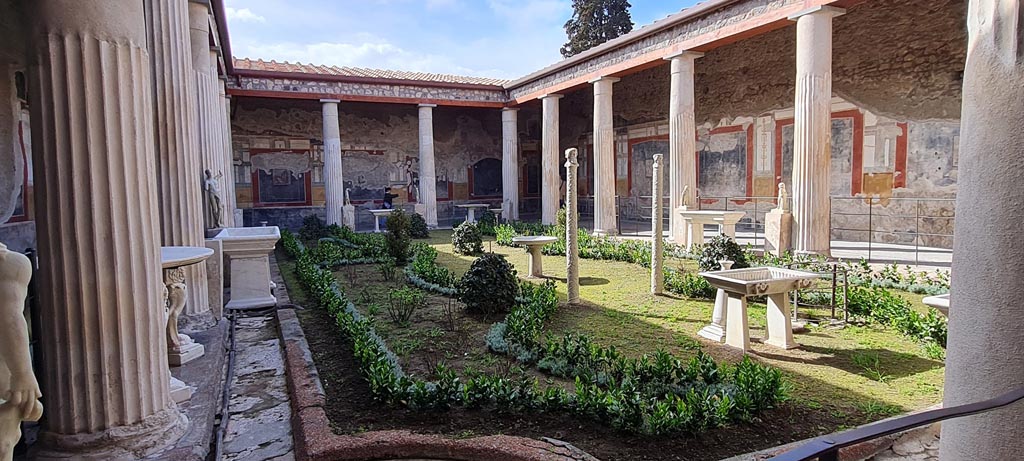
(682, 138)
(428, 174)
(334, 181)
(180, 173)
(572, 246)
(98, 229)
(657, 239)
(510, 163)
(605, 222)
(812, 129)
(983, 355)
(549, 159)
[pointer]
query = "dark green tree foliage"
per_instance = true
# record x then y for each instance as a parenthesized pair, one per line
(397, 238)
(489, 286)
(594, 22)
(419, 226)
(719, 248)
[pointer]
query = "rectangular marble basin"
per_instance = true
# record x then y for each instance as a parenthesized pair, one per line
(249, 239)
(753, 281)
(247, 251)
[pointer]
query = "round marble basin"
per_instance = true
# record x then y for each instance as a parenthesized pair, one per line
(171, 257)
(530, 240)
(940, 302)
(533, 244)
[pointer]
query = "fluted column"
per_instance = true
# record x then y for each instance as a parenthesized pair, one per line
(106, 378)
(334, 185)
(510, 163)
(179, 166)
(983, 354)
(428, 175)
(604, 158)
(229, 163)
(549, 159)
(682, 141)
(812, 129)
(208, 126)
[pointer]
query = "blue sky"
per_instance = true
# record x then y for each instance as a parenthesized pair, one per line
(488, 38)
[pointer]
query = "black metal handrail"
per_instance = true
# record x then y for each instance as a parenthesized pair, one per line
(826, 447)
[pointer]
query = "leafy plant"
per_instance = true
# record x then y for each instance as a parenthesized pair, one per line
(387, 270)
(489, 286)
(504, 233)
(403, 302)
(719, 248)
(398, 239)
(313, 228)
(487, 222)
(467, 239)
(418, 227)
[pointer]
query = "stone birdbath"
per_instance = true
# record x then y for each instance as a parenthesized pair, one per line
(471, 210)
(533, 245)
(377, 213)
(773, 282)
(939, 302)
(181, 349)
(248, 250)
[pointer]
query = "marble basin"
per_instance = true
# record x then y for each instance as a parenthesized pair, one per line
(753, 281)
(248, 250)
(533, 244)
(940, 302)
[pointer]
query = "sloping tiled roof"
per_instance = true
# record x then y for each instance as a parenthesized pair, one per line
(298, 67)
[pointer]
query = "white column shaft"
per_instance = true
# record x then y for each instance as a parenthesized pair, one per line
(428, 175)
(983, 355)
(604, 159)
(657, 242)
(98, 229)
(572, 247)
(812, 131)
(334, 182)
(682, 137)
(549, 159)
(510, 163)
(229, 164)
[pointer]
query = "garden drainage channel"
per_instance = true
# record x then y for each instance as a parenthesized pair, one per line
(255, 415)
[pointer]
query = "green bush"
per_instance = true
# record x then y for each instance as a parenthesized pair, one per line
(689, 285)
(418, 227)
(313, 228)
(467, 240)
(487, 222)
(425, 267)
(398, 239)
(503, 234)
(403, 302)
(489, 286)
(719, 248)
(888, 309)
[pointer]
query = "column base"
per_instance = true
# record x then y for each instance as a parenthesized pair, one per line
(713, 332)
(180, 392)
(158, 431)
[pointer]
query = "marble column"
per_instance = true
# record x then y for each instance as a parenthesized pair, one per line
(572, 247)
(208, 126)
(428, 175)
(179, 165)
(657, 239)
(812, 129)
(228, 185)
(983, 357)
(510, 163)
(549, 159)
(334, 183)
(604, 158)
(98, 229)
(682, 138)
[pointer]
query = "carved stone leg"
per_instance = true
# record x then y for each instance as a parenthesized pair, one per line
(736, 332)
(536, 265)
(180, 347)
(716, 330)
(780, 324)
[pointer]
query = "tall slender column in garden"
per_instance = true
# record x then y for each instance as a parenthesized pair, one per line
(657, 240)
(812, 129)
(179, 165)
(98, 229)
(510, 163)
(604, 158)
(428, 175)
(549, 159)
(985, 335)
(682, 142)
(572, 246)
(334, 185)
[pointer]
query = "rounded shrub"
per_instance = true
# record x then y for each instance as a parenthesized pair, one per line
(488, 220)
(418, 227)
(489, 286)
(719, 248)
(467, 239)
(397, 238)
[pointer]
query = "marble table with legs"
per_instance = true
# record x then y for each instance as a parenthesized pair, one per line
(696, 219)
(471, 210)
(533, 244)
(181, 349)
(377, 213)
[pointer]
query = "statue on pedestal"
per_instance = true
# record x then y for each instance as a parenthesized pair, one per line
(214, 206)
(783, 199)
(19, 390)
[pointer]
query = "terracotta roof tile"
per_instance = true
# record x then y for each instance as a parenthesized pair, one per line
(298, 67)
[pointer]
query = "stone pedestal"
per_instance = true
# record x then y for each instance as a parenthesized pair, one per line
(534, 244)
(98, 230)
(180, 392)
(510, 164)
(682, 138)
(428, 174)
(215, 277)
(572, 246)
(736, 323)
(778, 232)
(605, 222)
(348, 215)
(239, 221)
(780, 323)
(248, 249)
(549, 159)
(715, 331)
(334, 185)
(657, 239)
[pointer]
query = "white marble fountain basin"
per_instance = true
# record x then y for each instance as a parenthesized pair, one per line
(248, 250)
(754, 281)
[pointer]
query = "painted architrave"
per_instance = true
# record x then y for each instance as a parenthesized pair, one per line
(361, 98)
(856, 163)
(307, 178)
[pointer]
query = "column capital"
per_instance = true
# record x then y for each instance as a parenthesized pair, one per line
(551, 96)
(426, 105)
(604, 79)
(329, 101)
(830, 11)
(686, 54)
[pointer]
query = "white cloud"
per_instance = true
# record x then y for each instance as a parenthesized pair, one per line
(243, 15)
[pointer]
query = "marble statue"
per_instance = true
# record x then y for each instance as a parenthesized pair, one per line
(685, 200)
(348, 197)
(19, 390)
(214, 204)
(783, 198)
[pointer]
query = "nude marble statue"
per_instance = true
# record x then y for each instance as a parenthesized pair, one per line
(19, 390)
(214, 204)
